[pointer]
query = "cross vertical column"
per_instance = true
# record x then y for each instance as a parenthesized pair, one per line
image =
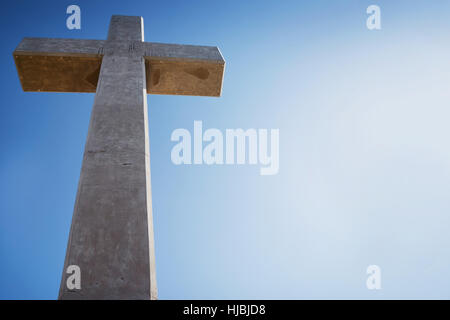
(111, 237)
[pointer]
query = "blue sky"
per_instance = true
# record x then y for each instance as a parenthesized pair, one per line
(364, 157)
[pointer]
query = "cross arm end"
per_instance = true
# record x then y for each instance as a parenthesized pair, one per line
(58, 65)
(183, 69)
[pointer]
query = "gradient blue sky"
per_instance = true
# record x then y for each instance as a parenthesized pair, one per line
(364, 151)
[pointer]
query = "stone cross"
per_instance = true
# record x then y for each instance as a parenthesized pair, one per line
(111, 236)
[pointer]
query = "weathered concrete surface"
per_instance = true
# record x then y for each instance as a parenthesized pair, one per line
(167, 76)
(70, 65)
(59, 47)
(58, 73)
(111, 236)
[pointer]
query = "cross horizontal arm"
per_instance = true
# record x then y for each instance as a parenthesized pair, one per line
(71, 65)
